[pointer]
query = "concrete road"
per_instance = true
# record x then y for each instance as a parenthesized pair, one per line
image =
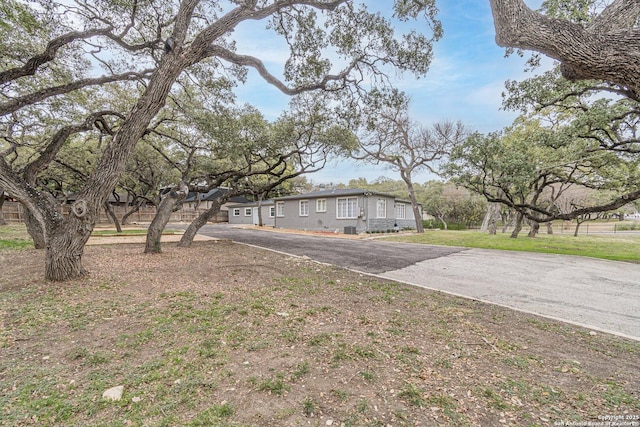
(598, 294)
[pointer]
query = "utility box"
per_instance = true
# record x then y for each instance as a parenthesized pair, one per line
(350, 230)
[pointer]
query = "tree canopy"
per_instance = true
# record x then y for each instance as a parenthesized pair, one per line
(61, 53)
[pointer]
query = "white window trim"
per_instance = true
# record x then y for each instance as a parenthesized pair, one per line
(303, 203)
(280, 209)
(250, 210)
(272, 211)
(356, 210)
(320, 202)
(236, 211)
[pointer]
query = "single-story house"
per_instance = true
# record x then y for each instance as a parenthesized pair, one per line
(247, 213)
(343, 210)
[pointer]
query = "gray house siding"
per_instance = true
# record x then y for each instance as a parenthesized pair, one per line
(320, 220)
(247, 213)
(365, 211)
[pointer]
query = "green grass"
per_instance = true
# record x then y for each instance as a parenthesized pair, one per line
(14, 237)
(617, 247)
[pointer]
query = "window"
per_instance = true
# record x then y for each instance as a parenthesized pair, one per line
(247, 211)
(280, 209)
(321, 205)
(401, 211)
(347, 207)
(304, 208)
(381, 208)
(272, 212)
(236, 212)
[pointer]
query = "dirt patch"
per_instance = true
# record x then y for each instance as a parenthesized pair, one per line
(225, 334)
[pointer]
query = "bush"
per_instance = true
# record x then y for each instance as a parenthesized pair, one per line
(431, 223)
(628, 227)
(457, 226)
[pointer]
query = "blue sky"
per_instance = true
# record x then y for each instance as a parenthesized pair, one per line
(465, 81)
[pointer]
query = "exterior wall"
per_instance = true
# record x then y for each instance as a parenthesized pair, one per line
(318, 221)
(367, 215)
(242, 218)
(389, 222)
(251, 219)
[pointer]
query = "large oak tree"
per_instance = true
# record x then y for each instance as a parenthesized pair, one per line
(391, 138)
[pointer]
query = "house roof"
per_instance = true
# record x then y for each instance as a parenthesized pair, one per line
(214, 194)
(251, 203)
(335, 193)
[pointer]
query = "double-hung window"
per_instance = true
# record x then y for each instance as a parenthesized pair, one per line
(321, 205)
(280, 209)
(401, 211)
(272, 212)
(304, 208)
(381, 208)
(347, 207)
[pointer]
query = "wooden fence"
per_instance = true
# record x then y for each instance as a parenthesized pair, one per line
(14, 212)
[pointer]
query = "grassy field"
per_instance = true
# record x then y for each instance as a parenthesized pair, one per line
(618, 247)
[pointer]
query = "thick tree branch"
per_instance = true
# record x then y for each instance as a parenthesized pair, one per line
(258, 65)
(540, 214)
(604, 52)
(17, 103)
(32, 170)
(49, 54)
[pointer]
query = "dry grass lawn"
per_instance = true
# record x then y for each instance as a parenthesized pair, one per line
(228, 335)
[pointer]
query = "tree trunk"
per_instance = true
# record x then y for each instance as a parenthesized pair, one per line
(125, 217)
(507, 220)
(444, 223)
(162, 217)
(200, 221)
(493, 227)
(260, 223)
(66, 239)
(491, 218)
(549, 227)
(111, 214)
(64, 256)
(414, 202)
(2, 221)
(575, 232)
(517, 226)
(535, 226)
(35, 230)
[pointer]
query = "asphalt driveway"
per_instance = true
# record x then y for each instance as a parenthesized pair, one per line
(601, 295)
(367, 256)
